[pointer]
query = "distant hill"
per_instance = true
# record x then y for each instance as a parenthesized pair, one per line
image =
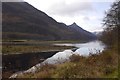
(20, 20)
(83, 34)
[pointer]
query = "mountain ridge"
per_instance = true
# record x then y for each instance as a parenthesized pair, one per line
(22, 21)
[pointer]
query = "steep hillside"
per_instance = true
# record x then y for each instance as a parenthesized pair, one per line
(83, 34)
(20, 20)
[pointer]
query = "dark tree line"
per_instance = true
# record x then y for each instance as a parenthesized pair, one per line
(112, 23)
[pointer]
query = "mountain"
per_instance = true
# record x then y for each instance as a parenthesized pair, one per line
(21, 20)
(83, 34)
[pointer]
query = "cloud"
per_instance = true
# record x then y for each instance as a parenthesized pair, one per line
(70, 8)
(86, 18)
(11, 0)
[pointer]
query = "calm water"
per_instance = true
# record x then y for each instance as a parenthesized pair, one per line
(84, 49)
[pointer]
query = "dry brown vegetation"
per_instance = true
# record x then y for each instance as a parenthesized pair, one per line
(102, 65)
(9, 49)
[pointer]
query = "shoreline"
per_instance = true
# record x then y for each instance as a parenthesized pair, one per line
(19, 62)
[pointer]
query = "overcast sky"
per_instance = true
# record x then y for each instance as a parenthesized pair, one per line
(88, 14)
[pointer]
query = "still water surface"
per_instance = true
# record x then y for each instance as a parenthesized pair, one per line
(84, 49)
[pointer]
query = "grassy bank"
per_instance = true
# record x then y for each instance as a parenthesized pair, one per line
(10, 49)
(25, 46)
(102, 65)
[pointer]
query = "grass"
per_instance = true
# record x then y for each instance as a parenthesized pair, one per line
(10, 49)
(23, 46)
(102, 65)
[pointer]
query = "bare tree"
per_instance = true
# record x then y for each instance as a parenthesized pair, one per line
(112, 23)
(112, 18)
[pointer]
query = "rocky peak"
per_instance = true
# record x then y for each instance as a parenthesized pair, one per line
(74, 24)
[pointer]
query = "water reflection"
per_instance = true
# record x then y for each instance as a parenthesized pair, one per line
(91, 47)
(84, 49)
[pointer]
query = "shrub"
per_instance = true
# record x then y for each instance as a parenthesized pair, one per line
(76, 58)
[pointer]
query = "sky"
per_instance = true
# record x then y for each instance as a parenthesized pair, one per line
(88, 14)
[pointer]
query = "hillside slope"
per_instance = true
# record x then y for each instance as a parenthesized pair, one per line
(20, 20)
